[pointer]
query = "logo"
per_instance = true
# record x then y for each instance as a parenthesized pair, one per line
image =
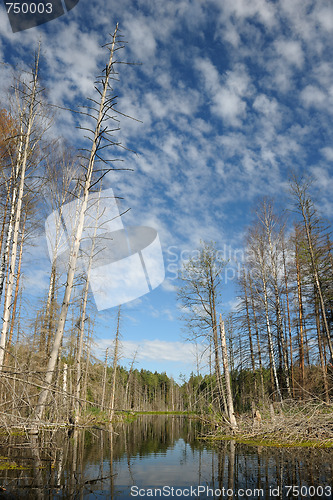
(31, 13)
(123, 263)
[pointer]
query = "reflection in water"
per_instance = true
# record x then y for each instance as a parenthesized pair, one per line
(157, 452)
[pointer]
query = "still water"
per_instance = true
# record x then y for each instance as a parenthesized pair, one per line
(157, 456)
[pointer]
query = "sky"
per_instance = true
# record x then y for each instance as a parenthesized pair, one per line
(230, 95)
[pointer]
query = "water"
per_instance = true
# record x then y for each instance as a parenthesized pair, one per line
(157, 457)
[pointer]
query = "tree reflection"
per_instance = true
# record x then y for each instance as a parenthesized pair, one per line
(149, 452)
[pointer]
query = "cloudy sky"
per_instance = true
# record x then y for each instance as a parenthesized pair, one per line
(231, 94)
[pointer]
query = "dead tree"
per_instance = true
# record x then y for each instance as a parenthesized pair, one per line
(28, 116)
(114, 367)
(83, 319)
(199, 296)
(100, 135)
(104, 378)
(306, 209)
(60, 189)
(260, 269)
(269, 222)
(230, 403)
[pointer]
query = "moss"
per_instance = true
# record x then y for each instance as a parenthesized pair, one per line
(274, 442)
(12, 432)
(130, 418)
(7, 464)
(165, 412)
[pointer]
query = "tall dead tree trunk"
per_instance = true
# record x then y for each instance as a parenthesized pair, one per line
(270, 339)
(267, 218)
(33, 108)
(308, 212)
(249, 329)
(16, 169)
(230, 403)
(212, 305)
(4, 219)
(114, 368)
(320, 347)
(60, 173)
(82, 321)
(87, 363)
(104, 378)
(104, 106)
(289, 321)
(200, 294)
(300, 318)
(17, 286)
(258, 254)
(258, 339)
(127, 405)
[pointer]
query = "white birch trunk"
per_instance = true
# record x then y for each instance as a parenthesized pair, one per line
(278, 312)
(16, 229)
(270, 339)
(230, 404)
(15, 174)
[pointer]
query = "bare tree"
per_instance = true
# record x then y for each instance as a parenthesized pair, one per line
(100, 134)
(83, 316)
(199, 296)
(260, 271)
(230, 404)
(29, 111)
(274, 238)
(114, 367)
(310, 220)
(59, 189)
(104, 378)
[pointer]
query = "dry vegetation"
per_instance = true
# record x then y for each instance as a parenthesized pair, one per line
(291, 424)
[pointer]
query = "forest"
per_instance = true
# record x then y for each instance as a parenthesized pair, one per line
(275, 348)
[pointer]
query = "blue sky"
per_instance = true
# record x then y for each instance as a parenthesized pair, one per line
(232, 94)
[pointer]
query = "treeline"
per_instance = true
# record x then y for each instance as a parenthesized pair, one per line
(286, 294)
(137, 390)
(280, 337)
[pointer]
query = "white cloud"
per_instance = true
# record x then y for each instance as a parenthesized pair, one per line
(265, 105)
(323, 179)
(325, 17)
(243, 9)
(226, 91)
(229, 106)
(296, 13)
(157, 107)
(140, 37)
(209, 73)
(327, 153)
(153, 350)
(291, 51)
(168, 286)
(312, 96)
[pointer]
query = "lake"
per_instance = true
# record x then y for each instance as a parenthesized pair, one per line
(157, 456)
